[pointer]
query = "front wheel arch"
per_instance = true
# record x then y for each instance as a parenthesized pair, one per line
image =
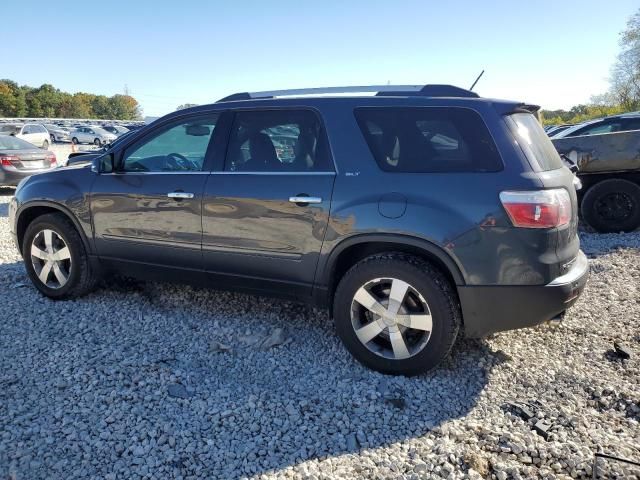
(29, 212)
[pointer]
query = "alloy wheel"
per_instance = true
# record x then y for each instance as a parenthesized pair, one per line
(51, 259)
(391, 318)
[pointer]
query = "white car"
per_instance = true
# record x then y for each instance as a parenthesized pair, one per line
(117, 130)
(34, 133)
(90, 134)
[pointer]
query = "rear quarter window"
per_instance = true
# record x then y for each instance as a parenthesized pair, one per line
(428, 139)
(535, 144)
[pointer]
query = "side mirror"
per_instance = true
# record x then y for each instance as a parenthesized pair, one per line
(103, 164)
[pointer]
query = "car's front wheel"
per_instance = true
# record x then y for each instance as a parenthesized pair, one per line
(45, 144)
(74, 140)
(97, 142)
(55, 258)
(396, 314)
(612, 205)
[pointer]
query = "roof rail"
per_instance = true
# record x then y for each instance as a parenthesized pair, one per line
(379, 90)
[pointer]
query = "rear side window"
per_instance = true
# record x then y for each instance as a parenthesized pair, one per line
(428, 139)
(277, 141)
(534, 142)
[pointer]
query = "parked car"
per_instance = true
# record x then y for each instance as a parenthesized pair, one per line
(19, 159)
(609, 170)
(89, 155)
(34, 133)
(615, 123)
(556, 129)
(95, 135)
(413, 215)
(57, 133)
(117, 130)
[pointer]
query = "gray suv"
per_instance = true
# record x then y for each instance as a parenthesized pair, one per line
(413, 215)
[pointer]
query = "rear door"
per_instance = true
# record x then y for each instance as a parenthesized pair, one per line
(266, 209)
(149, 209)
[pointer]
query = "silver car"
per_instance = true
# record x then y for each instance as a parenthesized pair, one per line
(57, 133)
(91, 134)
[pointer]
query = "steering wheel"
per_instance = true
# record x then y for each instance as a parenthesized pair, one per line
(178, 161)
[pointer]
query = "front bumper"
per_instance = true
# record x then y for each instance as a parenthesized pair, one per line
(495, 308)
(13, 208)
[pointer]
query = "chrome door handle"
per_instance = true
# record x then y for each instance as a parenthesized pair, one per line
(303, 199)
(180, 195)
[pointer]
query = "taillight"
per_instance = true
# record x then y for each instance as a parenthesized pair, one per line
(539, 208)
(6, 160)
(52, 158)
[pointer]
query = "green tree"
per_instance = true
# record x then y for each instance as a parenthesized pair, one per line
(12, 99)
(125, 107)
(625, 74)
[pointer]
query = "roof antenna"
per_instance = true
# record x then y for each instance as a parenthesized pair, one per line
(474, 83)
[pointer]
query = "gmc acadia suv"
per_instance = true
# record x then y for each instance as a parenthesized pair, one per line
(413, 215)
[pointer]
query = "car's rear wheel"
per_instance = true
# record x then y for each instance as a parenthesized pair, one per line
(55, 258)
(45, 144)
(396, 314)
(97, 142)
(53, 138)
(612, 205)
(74, 140)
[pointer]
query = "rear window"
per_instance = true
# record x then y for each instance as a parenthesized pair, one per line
(428, 139)
(534, 142)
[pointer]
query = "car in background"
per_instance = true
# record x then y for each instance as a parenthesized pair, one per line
(86, 156)
(19, 159)
(117, 130)
(57, 133)
(91, 134)
(556, 129)
(616, 123)
(34, 133)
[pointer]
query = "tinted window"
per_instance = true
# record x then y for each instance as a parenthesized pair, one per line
(428, 139)
(27, 129)
(632, 124)
(534, 142)
(605, 127)
(176, 148)
(277, 141)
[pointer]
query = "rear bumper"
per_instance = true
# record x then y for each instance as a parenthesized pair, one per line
(11, 177)
(490, 309)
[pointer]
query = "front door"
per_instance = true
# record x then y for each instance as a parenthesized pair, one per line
(149, 208)
(266, 210)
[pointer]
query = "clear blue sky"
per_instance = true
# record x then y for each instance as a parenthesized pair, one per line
(554, 53)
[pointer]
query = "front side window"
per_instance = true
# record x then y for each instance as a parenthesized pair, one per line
(176, 148)
(428, 139)
(277, 141)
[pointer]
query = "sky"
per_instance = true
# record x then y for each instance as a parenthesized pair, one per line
(552, 53)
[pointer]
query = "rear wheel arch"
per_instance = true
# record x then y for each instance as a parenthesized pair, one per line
(351, 251)
(28, 213)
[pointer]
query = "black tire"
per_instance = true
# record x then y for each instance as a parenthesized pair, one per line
(74, 140)
(82, 278)
(53, 138)
(97, 142)
(429, 282)
(612, 206)
(45, 144)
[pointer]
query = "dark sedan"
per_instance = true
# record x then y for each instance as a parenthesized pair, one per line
(19, 159)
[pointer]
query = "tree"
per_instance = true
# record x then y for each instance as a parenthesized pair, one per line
(125, 107)
(12, 99)
(625, 74)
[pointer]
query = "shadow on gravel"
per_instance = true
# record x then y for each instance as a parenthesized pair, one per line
(134, 376)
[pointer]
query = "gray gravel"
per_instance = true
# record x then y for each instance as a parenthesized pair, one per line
(161, 381)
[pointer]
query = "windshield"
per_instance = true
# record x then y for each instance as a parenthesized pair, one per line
(13, 143)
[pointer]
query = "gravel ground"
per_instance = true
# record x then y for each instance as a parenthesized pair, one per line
(162, 381)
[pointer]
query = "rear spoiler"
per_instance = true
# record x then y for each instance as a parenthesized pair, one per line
(509, 109)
